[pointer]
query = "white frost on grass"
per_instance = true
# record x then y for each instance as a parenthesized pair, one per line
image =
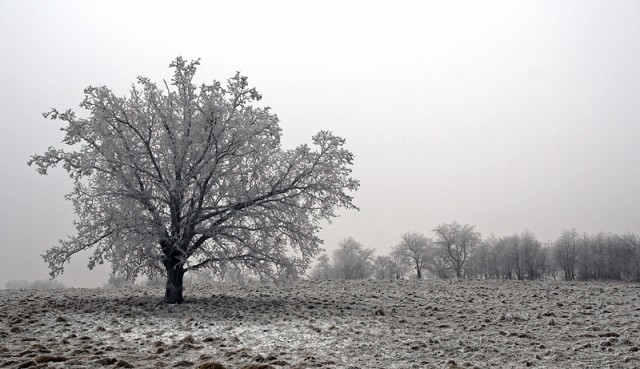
(368, 324)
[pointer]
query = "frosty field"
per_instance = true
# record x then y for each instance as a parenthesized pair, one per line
(328, 324)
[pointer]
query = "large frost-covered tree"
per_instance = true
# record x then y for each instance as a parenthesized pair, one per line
(181, 177)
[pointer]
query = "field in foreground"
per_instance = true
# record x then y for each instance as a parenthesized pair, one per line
(332, 324)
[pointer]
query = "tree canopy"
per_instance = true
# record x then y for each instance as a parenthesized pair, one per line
(181, 177)
(457, 241)
(415, 248)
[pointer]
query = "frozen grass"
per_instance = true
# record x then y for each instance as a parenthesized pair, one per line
(333, 324)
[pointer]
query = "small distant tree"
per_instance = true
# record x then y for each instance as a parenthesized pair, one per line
(566, 252)
(392, 266)
(383, 267)
(513, 256)
(482, 261)
(414, 247)
(532, 255)
(457, 242)
(323, 270)
(631, 245)
(352, 261)
(176, 179)
(585, 258)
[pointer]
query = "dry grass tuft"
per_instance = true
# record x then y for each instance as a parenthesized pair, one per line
(188, 339)
(49, 359)
(258, 366)
(183, 363)
(212, 365)
(107, 361)
(123, 364)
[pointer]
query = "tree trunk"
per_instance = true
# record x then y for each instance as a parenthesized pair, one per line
(175, 274)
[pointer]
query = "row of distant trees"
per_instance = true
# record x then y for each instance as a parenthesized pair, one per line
(22, 284)
(458, 251)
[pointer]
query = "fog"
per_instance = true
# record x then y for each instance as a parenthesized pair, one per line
(504, 115)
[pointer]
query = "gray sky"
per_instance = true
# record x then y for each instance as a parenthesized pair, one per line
(507, 115)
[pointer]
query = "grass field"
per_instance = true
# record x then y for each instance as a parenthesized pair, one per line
(327, 324)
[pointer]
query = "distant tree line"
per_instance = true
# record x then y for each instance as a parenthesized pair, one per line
(458, 251)
(22, 284)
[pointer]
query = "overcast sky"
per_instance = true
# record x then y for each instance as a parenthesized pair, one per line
(506, 115)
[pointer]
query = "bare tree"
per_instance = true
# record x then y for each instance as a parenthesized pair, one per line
(546, 260)
(457, 242)
(400, 265)
(631, 245)
(513, 256)
(482, 263)
(532, 255)
(584, 257)
(414, 247)
(607, 256)
(521, 255)
(492, 259)
(502, 255)
(188, 177)
(566, 250)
